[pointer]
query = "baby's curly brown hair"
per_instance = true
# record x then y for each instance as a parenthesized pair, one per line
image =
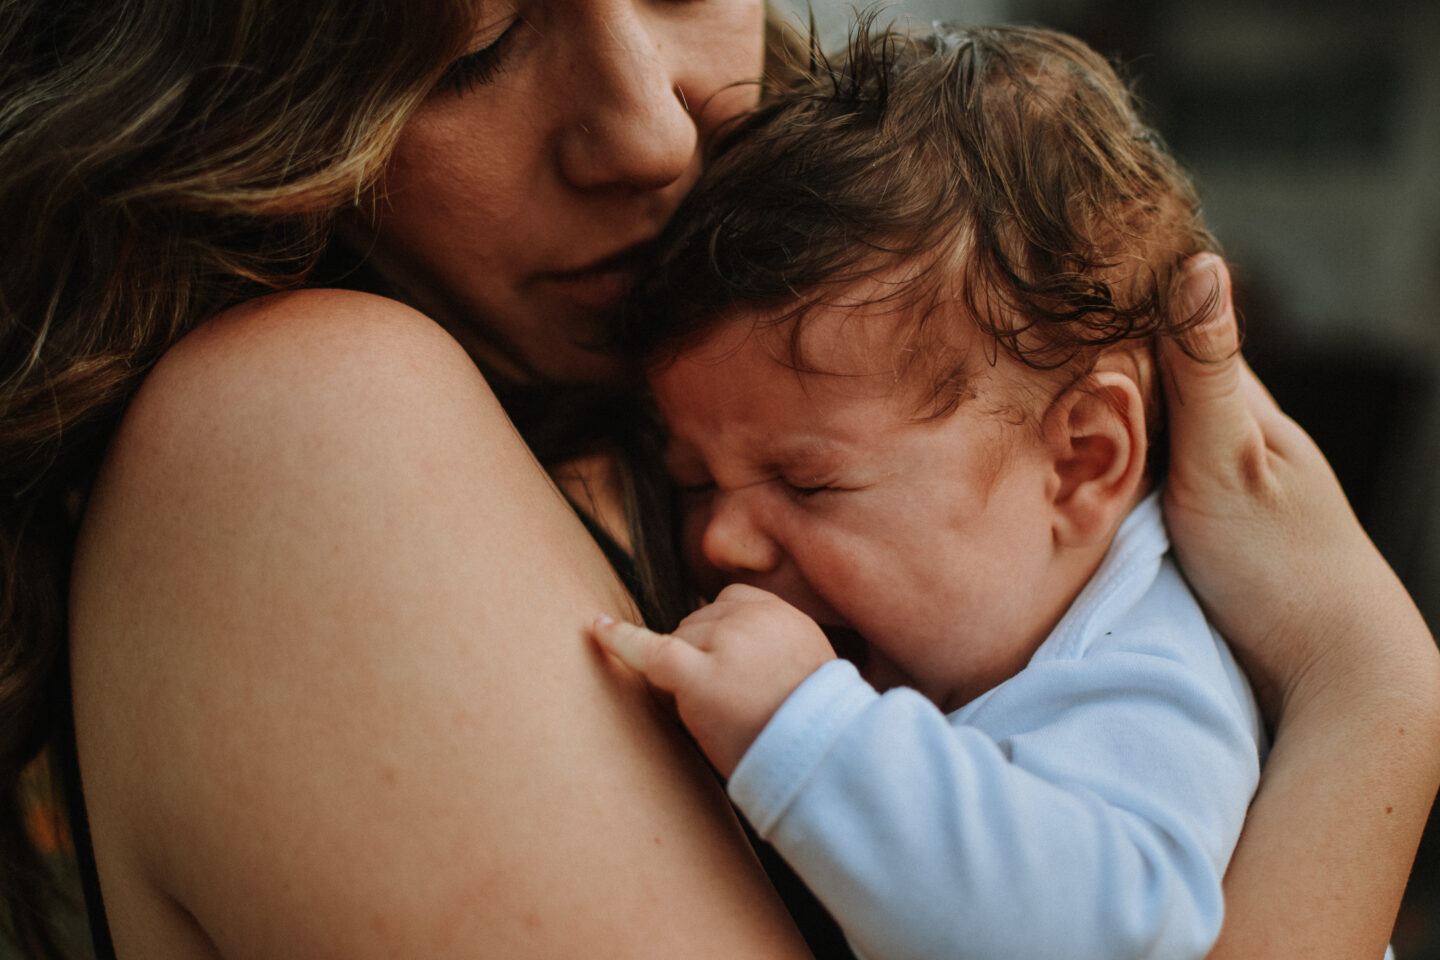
(1005, 168)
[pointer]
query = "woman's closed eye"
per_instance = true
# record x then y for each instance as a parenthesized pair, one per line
(481, 66)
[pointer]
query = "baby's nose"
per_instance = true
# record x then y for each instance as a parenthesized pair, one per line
(735, 542)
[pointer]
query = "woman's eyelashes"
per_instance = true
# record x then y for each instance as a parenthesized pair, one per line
(480, 66)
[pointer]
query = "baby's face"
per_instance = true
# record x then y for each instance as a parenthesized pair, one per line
(932, 540)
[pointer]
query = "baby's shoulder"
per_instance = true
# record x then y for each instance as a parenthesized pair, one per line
(1158, 644)
(1135, 603)
(1163, 620)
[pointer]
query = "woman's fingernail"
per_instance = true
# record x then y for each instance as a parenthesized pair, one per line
(1199, 285)
(604, 620)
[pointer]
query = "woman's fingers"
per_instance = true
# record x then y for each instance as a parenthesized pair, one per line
(1219, 411)
(666, 661)
(1282, 434)
(1208, 411)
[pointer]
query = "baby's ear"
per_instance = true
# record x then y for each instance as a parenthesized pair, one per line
(1094, 433)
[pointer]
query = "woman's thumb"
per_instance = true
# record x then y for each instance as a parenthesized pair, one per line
(1208, 416)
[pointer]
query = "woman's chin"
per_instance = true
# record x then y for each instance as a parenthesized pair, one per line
(578, 350)
(569, 357)
(584, 367)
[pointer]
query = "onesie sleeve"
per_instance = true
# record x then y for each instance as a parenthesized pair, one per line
(1087, 810)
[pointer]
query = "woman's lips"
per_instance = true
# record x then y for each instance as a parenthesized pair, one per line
(604, 282)
(595, 289)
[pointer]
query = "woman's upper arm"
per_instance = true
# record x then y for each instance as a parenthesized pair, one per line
(333, 696)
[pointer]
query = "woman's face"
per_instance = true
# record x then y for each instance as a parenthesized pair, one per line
(518, 201)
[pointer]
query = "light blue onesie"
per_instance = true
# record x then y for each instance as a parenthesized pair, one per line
(1084, 808)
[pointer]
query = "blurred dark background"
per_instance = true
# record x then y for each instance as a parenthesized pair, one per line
(1313, 134)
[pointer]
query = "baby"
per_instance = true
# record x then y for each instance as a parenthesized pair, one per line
(902, 339)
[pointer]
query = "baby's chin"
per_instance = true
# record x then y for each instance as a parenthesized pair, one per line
(877, 669)
(848, 643)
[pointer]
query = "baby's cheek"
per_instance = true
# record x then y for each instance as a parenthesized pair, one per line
(881, 672)
(706, 580)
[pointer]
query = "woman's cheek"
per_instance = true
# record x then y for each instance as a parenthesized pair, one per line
(728, 85)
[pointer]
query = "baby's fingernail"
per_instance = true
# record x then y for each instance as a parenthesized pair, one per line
(604, 620)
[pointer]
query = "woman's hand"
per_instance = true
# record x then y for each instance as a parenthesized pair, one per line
(729, 665)
(1344, 665)
(1260, 523)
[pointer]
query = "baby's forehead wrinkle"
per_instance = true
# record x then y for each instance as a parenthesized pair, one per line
(710, 352)
(805, 450)
(736, 430)
(867, 333)
(811, 375)
(769, 454)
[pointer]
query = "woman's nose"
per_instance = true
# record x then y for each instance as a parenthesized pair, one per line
(634, 130)
(734, 543)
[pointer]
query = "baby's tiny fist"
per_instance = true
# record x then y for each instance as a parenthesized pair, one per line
(666, 661)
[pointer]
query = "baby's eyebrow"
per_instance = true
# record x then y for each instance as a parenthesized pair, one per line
(806, 453)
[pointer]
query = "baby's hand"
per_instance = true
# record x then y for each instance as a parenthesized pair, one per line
(729, 664)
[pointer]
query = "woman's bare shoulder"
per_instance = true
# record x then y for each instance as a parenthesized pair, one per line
(322, 319)
(309, 349)
(318, 395)
(330, 677)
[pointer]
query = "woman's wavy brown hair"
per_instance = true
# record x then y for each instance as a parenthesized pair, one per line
(160, 160)
(1004, 168)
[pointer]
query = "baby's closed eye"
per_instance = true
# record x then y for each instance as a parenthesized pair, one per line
(804, 489)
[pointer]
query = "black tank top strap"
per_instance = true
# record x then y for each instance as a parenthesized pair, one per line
(69, 765)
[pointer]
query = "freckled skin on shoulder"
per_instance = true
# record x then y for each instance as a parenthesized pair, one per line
(333, 697)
